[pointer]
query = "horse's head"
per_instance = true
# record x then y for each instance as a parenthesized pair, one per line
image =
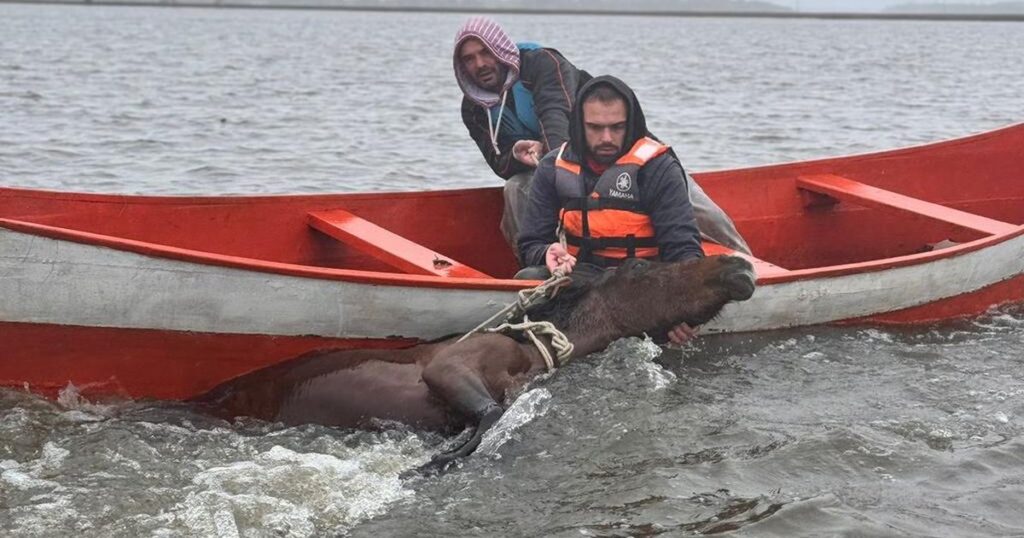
(645, 296)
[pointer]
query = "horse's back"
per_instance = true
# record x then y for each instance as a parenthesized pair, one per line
(364, 395)
(345, 388)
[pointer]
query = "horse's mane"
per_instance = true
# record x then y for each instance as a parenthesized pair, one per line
(560, 308)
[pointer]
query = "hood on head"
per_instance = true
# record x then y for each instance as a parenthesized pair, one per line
(500, 44)
(636, 124)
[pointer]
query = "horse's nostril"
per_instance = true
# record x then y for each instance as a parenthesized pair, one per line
(741, 262)
(741, 284)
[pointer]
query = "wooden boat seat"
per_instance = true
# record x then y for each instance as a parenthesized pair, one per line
(388, 247)
(838, 188)
(761, 267)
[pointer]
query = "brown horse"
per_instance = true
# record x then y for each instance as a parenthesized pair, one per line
(448, 384)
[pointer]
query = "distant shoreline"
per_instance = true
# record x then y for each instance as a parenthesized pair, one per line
(982, 17)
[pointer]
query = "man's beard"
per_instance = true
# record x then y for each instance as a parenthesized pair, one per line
(606, 158)
(498, 75)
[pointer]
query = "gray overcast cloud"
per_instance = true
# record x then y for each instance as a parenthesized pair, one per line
(861, 5)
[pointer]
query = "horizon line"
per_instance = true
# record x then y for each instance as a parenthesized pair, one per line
(830, 15)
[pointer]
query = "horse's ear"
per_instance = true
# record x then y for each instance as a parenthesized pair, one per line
(559, 306)
(634, 267)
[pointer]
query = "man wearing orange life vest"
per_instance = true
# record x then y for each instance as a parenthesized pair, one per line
(615, 192)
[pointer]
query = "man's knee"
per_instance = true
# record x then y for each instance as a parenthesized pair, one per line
(533, 272)
(518, 184)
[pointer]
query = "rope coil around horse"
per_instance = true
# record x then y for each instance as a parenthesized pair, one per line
(563, 347)
(527, 298)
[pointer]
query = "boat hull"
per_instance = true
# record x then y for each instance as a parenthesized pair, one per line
(115, 323)
(166, 297)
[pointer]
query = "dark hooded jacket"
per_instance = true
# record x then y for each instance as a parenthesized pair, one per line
(552, 81)
(662, 184)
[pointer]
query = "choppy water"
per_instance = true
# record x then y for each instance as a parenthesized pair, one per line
(825, 431)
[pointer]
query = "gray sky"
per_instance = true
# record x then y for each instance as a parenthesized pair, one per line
(861, 5)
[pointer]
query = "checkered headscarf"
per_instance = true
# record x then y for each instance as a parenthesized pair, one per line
(503, 48)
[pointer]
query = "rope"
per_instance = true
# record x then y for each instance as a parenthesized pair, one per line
(563, 347)
(526, 299)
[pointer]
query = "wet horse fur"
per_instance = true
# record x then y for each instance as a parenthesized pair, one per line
(448, 385)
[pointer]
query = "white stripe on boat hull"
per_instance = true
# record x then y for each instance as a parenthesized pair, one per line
(821, 300)
(61, 282)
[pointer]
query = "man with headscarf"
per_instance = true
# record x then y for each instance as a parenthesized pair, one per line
(612, 190)
(516, 106)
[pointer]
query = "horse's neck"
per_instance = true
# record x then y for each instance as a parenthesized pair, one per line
(584, 344)
(588, 337)
(590, 325)
(594, 330)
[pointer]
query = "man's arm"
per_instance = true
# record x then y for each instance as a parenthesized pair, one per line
(668, 203)
(553, 81)
(539, 228)
(475, 119)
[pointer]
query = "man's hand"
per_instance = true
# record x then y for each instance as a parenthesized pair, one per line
(528, 152)
(682, 333)
(559, 259)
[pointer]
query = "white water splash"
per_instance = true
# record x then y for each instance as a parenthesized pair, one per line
(999, 322)
(79, 409)
(631, 360)
(647, 351)
(877, 335)
(17, 478)
(41, 518)
(34, 474)
(35, 479)
(527, 407)
(286, 493)
(69, 397)
(51, 460)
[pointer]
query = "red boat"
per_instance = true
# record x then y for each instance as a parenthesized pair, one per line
(165, 297)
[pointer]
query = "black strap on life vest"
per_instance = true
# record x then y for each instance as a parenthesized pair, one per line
(629, 242)
(585, 246)
(599, 203)
(588, 244)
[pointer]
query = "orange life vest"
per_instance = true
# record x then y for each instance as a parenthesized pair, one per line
(609, 221)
